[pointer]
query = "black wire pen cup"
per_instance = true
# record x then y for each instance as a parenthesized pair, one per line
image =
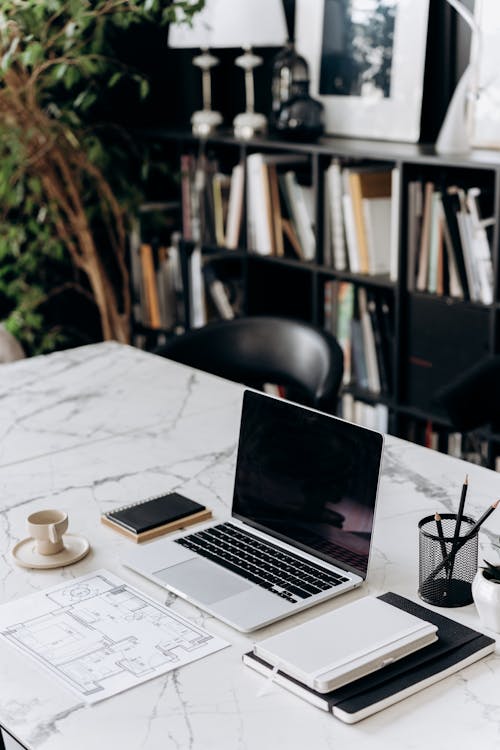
(446, 569)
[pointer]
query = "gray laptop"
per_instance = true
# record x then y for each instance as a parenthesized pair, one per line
(301, 524)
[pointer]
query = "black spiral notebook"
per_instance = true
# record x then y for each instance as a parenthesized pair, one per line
(155, 516)
(457, 647)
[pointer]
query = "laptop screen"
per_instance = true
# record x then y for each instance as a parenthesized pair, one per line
(307, 478)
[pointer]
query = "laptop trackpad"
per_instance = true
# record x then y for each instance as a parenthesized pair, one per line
(203, 581)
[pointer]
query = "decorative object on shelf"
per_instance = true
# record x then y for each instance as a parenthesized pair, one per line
(288, 66)
(456, 131)
(367, 64)
(485, 59)
(486, 595)
(199, 34)
(301, 117)
(294, 113)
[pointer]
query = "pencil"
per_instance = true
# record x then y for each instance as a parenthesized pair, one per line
(481, 520)
(450, 558)
(460, 513)
(458, 523)
(439, 527)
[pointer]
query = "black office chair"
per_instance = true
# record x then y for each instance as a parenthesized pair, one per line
(305, 360)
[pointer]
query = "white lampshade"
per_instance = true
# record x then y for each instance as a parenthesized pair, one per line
(233, 23)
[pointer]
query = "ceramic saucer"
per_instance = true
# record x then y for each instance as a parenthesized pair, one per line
(26, 555)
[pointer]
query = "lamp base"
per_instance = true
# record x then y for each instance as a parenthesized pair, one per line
(248, 124)
(205, 122)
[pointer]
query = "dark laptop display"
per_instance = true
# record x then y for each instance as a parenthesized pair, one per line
(306, 476)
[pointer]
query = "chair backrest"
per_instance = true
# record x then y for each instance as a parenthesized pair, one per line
(307, 361)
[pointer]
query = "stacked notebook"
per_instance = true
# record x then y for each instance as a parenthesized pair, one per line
(376, 662)
(155, 516)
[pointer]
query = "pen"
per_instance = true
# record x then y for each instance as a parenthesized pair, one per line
(439, 527)
(451, 556)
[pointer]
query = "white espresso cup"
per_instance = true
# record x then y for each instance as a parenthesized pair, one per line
(47, 527)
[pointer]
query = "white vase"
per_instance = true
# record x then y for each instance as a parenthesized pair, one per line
(486, 595)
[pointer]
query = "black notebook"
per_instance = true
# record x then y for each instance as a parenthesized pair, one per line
(149, 518)
(457, 647)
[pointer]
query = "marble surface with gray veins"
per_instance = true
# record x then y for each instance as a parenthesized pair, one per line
(93, 428)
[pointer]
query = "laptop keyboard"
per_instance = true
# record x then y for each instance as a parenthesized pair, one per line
(262, 563)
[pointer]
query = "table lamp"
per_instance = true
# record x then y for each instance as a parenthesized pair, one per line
(247, 24)
(184, 36)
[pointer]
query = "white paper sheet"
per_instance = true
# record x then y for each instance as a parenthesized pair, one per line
(100, 636)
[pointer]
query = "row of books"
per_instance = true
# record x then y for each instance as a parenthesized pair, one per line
(158, 295)
(440, 438)
(373, 416)
(361, 320)
(361, 219)
(279, 207)
(448, 244)
(212, 201)
(155, 271)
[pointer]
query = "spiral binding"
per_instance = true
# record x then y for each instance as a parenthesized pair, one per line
(139, 502)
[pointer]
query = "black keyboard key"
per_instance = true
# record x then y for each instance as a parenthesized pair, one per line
(280, 572)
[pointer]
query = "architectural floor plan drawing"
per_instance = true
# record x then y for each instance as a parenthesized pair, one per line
(101, 636)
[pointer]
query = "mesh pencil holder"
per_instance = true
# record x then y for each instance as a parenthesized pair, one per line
(445, 579)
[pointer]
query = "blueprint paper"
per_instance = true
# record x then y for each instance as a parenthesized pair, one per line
(100, 636)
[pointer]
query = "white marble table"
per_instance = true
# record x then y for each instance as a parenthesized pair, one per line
(96, 427)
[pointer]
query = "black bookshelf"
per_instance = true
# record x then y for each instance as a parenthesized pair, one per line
(301, 282)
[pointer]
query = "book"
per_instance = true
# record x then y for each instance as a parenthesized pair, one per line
(155, 516)
(345, 312)
(291, 237)
(300, 212)
(457, 647)
(235, 206)
(377, 217)
(380, 348)
(367, 184)
(218, 293)
(370, 354)
(435, 237)
(395, 223)
(276, 219)
(454, 283)
(425, 235)
(197, 290)
(480, 248)
(373, 634)
(358, 361)
(336, 223)
(414, 228)
(350, 234)
(451, 205)
(150, 288)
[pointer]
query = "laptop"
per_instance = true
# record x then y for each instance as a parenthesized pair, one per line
(301, 524)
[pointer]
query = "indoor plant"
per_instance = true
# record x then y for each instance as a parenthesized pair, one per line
(486, 595)
(64, 193)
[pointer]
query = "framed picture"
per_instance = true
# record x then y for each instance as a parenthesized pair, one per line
(485, 54)
(367, 60)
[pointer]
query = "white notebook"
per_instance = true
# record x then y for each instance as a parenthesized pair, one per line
(346, 644)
